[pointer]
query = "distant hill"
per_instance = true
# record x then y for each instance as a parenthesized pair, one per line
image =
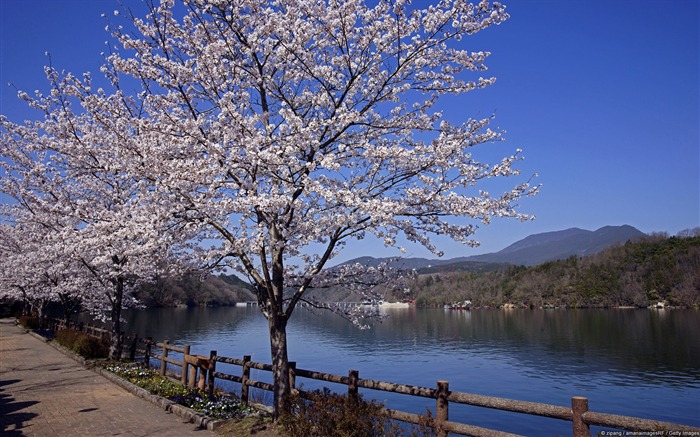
(549, 246)
(532, 250)
(195, 290)
(452, 265)
(650, 271)
(235, 281)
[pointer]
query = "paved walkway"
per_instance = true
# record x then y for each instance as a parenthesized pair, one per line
(44, 393)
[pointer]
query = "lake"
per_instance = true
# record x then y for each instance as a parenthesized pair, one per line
(643, 363)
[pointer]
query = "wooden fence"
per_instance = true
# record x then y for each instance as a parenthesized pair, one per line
(201, 371)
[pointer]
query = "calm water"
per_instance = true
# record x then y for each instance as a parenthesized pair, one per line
(632, 362)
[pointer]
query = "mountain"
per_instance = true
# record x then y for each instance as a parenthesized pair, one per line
(235, 281)
(532, 250)
(540, 248)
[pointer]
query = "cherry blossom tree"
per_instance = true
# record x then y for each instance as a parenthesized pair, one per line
(36, 268)
(65, 172)
(282, 129)
(19, 281)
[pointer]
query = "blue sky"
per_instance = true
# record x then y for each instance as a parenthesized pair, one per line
(602, 96)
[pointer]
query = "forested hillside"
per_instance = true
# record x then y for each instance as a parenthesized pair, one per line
(639, 273)
(195, 290)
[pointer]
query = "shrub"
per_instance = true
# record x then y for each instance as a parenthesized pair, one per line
(91, 347)
(30, 322)
(322, 413)
(82, 344)
(67, 337)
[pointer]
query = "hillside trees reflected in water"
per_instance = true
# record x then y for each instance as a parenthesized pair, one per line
(626, 339)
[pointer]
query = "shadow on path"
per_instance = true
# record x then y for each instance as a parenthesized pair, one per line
(11, 415)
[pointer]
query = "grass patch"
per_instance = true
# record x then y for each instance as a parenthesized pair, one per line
(258, 424)
(218, 406)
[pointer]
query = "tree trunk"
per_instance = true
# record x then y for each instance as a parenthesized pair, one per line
(69, 306)
(115, 345)
(41, 312)
(280, 363)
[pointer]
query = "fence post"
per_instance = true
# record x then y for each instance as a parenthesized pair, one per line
(202, 382)
(147, 355)
(132, 350)
(441, 408)
(244, 379)
(292, 374)
(163, 357)
(579, 405)
(193, 376)
(183, 377)
(353, 376)
(210, 373)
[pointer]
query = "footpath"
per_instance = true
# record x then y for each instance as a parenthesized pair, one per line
(44, 393)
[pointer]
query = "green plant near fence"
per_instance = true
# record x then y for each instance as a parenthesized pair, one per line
(82, 344)
(322, 412)
(217, 406)
(149, 380)
(29, 322)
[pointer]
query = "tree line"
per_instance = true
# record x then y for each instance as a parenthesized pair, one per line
(638, 273)
(194, 290)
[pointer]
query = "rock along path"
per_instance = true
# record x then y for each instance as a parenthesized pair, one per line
(44, 393)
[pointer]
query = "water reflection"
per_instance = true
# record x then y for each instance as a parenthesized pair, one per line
(179, 324)
(631, 342)
(625, 340)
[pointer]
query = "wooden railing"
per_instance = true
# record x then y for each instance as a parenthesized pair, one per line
(201, 371)
(578, 413)
(92, 330)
